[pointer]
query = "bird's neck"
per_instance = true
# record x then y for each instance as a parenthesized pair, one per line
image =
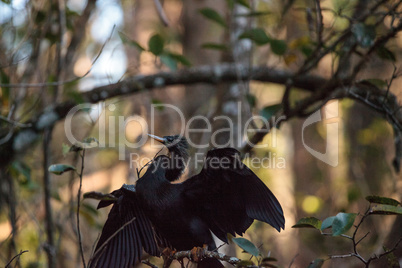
(177, 166)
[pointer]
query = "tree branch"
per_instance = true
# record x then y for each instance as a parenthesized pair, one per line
(202, 254)
(322, 89)
(78, 209)
(16, 256)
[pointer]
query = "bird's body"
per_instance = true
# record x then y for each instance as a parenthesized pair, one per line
(225, 197)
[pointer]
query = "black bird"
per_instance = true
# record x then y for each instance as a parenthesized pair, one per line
(225, 197)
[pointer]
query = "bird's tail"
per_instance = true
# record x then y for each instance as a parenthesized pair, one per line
(210, 263)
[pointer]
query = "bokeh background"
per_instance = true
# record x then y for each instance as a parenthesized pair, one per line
(51, 41)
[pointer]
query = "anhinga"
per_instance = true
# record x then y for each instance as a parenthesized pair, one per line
(225, 197)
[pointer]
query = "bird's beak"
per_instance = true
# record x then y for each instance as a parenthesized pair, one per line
(162, 140)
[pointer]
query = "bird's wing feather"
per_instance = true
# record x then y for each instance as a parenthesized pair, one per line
(126, 233)
(229, 196)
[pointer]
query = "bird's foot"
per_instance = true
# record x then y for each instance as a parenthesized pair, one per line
(168, 252)
(198, 253)
(167, 255)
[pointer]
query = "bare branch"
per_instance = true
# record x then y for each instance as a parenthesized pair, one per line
(17, 124)
(78, 208)
(385, 252)
(320, 24)
(50, 246)
(16, 256)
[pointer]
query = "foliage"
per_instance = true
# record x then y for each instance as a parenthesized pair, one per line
(343, 222)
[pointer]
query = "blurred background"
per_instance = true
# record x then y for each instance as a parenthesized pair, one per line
(91, 43)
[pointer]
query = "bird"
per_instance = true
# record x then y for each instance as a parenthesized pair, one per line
(225, 197)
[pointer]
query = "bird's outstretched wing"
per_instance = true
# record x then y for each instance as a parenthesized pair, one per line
(125, 234)
(229, 196)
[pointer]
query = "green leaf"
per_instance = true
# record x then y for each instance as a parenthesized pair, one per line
(21, 168)
(392, 260)
(254, 14)
(385, 54)
(278, 47)
(211, 14)
(87, 143)
(65, 149)
(381, 84)
(158, 104)
(230, 3)
(386, 210)
(246, 245)
(251, 99)
(257, 35)
(75, 148)
(215, 46)
(306, 50)
(56, 196)
(180, 58)
(5, 91)
(268, 111)
(90, 141)
(365, 34)
(99, 196)
(230, 237)
(76, 96)
(88, 217)
(169, 61)
(308, 222)
(89, 208)
(126, 40)
(317, 263)
(156, 44)
(245, 263)
(382, 200)
(59, 169)
(40, 17)
(4, 78)
(266, 259)
(243, 3)
(327, 223)
(342, 223)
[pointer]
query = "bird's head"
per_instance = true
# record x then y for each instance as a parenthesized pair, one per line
(176, 144)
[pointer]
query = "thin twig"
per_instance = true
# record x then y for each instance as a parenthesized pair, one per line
(356, 254)
(16, 256)
(78, 208)
(293, 260)
(384, 253)
(15, 123)
(389, 84)
(361, 239)
(59, 83)
(320, 24)
(49, 246)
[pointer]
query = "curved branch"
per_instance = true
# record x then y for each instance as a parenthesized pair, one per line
(322, 89)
